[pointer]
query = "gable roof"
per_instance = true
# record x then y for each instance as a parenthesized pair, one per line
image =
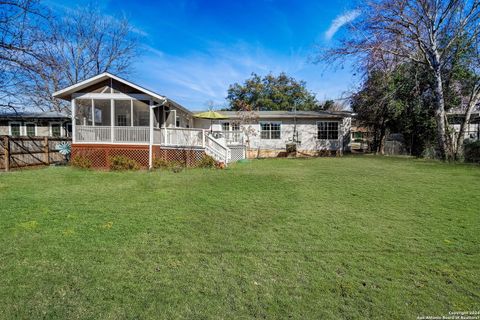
(66, 93)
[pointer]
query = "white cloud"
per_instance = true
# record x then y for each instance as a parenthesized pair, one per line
(340, 21)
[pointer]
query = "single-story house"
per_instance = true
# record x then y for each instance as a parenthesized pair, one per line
(39, 124)
(113, 116)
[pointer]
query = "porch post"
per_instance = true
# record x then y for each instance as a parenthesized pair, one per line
(74, 132)
(150, 145)
(112, 120)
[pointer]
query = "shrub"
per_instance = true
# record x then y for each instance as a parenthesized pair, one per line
(81, 162)
(472, 151)
(161, 164)
(123, 163)
(207, 162)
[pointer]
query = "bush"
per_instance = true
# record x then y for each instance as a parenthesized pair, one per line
(81, 162)
(472, 151)
(207, 162)
(161, 164)
(123, 163)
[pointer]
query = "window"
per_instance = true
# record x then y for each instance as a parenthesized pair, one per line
(15, 129)
(69, 129)
(31, 129)
(55, 130)
(225, 126)
(327, 130)
(270, 130)
(235, 126)
(177, 122)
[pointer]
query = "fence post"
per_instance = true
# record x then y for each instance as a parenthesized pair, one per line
(6, 154)
(46, 151)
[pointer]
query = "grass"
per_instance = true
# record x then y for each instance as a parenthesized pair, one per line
(329, 238)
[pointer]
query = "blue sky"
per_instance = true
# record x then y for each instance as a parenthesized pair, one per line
(193, 50)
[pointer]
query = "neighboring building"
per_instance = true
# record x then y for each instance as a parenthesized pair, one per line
(40, 124)
(472, 132)
(113, 116)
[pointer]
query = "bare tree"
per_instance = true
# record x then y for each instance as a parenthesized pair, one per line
(79, 45)
(420, 31)
(20, 21)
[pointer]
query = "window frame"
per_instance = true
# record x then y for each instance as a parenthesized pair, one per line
(50, 126)
(327, 131)
(20, 130)
(26, 129)
(270, 131)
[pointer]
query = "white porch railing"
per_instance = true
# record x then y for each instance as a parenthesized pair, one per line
(95, 134)
(178, 137)
(131, 134)
(216, 149)
(230, 137)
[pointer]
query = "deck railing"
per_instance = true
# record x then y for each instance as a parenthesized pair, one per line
(230, 137)
(216, 149)
(179, 137)
(140, 135)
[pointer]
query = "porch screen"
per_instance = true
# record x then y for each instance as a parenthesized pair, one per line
(123, 114)
(141, 115)
(102, 112)
(83, 112)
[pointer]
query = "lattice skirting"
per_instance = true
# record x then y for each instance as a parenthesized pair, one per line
(100, 155)
(185, 156)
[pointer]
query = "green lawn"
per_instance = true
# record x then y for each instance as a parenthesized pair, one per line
(329, 238)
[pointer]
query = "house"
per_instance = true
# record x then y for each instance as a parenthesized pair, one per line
(472, 131)
(267, 133)
(113, 116)
(40, 124)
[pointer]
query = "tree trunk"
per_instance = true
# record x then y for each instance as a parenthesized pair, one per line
(465, 124)
(381, 141)
(440, 117)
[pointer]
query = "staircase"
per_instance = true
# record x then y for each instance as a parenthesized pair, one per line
(217, 149)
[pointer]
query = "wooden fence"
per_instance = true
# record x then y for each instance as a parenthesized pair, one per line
(18, 152)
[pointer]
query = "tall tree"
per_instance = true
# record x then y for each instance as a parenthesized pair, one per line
(81, 44)
(20, 37)
(425, 32)
(271, 93)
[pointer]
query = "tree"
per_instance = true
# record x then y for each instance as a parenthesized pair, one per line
(374, 108)
(271, 93)
(425, 32)
(80, 45)
(20, 22)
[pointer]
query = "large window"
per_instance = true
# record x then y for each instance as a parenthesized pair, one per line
(270, 130)
(327, 130)
(31, 129)
(15, 129)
